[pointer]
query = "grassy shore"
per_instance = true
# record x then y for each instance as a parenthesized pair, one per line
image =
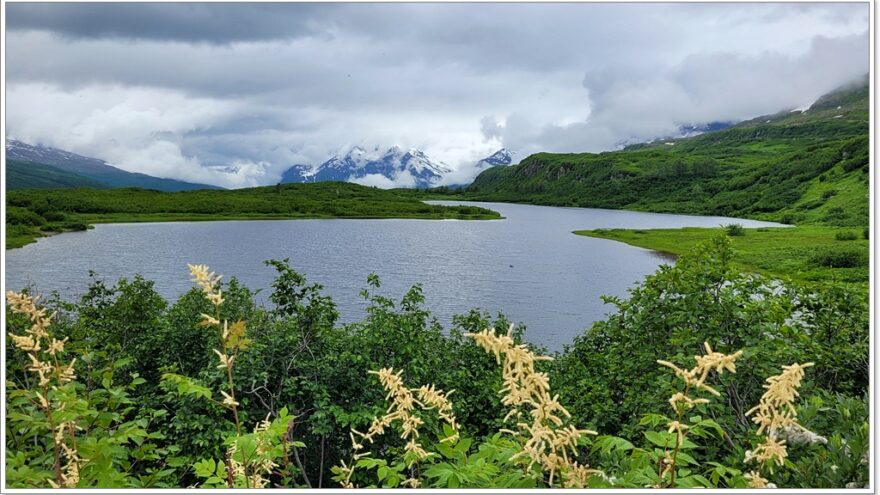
(807, 253)
(37, 213)
(16, 237)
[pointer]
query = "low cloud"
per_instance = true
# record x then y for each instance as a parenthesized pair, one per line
(233, 94)
(403, 179)
(712, 87)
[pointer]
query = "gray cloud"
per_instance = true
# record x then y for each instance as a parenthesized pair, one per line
(235, 93)
(189, 22)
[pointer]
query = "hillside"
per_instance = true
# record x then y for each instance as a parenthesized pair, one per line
(806, 167)
(30, 175)
(80, 171)
(33, 212)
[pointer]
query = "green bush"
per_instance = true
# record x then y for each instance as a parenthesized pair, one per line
(22, 216)
(75, 226)
(734, 230)
(838, 258)
(54, 216)
(846, 236)
(788, 219)
(308, 377)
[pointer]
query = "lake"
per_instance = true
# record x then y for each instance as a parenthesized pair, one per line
(528, 266)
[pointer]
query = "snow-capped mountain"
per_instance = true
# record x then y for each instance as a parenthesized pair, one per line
(394, 167)
(297, 173)
(695, 129)
(411, 167)
(683, 131)
(501, 157)
(17, 150)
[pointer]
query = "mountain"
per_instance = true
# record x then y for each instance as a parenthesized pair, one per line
(29, 175)
(394, 164)
(500, 158)
(683, 131)
(794, 166)
(412, 167)
(695, 129)
(77, 169)
(297, 174)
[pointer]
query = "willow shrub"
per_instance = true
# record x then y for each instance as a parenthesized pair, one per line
(280, 404)
(704, 298)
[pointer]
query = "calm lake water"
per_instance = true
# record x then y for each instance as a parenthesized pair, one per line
(528, 266)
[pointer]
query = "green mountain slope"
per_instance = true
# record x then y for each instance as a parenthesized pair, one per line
(30, 175)
(93, 169)
(795, 167)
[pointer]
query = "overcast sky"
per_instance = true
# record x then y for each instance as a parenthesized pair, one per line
(233, 94)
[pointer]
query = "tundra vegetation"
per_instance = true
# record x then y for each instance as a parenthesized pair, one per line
(705, 376)
(809, 169)
(34, 212)
(801, 168)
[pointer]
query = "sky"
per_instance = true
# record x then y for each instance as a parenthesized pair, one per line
(234, 94)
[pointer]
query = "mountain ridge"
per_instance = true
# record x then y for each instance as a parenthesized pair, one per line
(23, 158)
(806, 166)
(360, 165)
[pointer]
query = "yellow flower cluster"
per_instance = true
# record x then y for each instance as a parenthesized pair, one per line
(37, 336)
(578, 476)
(43, 350)
(208, 281)
(696, 376)
(231, 337)
(546, 441)
(253, 473)
(70, 475)
(757, 481)
(775, 415)
(681, 402)
(431, 398)
(776, 409)
(402, 407)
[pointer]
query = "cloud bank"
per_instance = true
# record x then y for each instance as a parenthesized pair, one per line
(233, 94)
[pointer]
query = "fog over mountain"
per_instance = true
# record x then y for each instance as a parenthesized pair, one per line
(236, 94)
(392, 168)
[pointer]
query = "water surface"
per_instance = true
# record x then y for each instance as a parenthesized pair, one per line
(528, 266)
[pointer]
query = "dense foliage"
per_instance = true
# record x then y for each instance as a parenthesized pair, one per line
(792, 167)
(214, 390)
(64, 209)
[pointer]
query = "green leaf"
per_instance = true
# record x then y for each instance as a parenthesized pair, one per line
(661, 439)
(205, 468)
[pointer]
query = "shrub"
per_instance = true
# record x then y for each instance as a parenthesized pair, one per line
(23, 216)
(223, 376)
(734, 230)
(54, 216)
(829, 193)
(788, 219)
(76, 226)
(846, 236)
(836, 213)
(837, 258)
(810, 205)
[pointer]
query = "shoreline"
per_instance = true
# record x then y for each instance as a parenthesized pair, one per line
(123, 218)
(778, 252)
